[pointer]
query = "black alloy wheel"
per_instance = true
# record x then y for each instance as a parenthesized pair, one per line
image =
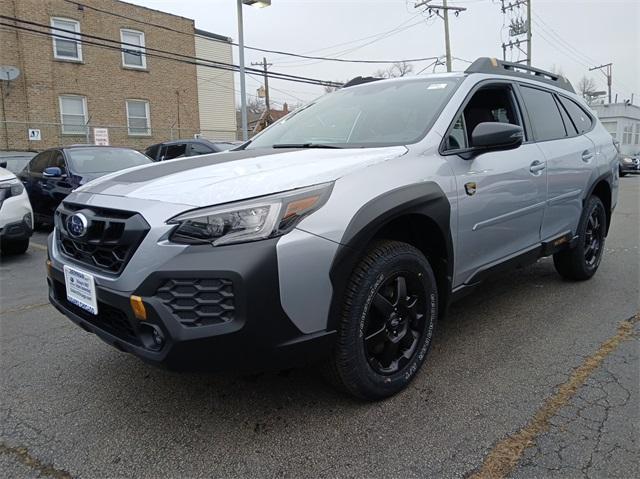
(395, 323)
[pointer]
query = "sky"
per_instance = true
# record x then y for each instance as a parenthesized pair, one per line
(569, 36)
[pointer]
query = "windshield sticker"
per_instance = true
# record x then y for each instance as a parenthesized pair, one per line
(437, 86)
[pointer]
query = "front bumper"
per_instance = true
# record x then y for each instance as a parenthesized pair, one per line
(18, 230)
(630, 167)
(253, 333)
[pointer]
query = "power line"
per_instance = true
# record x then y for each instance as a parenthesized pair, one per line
(264, 50)
(137, 49)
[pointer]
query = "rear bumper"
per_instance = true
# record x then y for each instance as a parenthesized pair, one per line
(255, 334)
(629, 167)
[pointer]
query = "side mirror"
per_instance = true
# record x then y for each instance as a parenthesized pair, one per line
(52, 172)
(3, 164)
(497, 136)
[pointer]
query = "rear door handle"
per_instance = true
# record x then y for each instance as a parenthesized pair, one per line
(587, 156)
(536, 167)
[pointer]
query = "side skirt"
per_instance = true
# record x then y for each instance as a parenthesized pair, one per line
(546, 248)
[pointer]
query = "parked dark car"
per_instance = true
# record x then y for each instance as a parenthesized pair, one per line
(183, 148)
(15, 161)
(629, 164)
(51, 175)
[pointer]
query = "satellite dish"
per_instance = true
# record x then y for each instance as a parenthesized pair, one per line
(9, 73)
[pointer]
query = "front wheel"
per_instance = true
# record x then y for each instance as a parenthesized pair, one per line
(387, 322)
(14, 246)
(581, 262)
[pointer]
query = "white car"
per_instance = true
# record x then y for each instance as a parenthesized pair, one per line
(16, 215)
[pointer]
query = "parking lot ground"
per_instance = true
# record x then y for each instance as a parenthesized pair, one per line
(531, 376)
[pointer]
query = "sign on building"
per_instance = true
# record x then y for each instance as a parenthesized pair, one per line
(34, 134)
(101, 136)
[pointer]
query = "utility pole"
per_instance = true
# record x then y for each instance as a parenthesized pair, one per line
(606, 70)
(435, 10)
(265, 65)
(243, 86)
(518, 26)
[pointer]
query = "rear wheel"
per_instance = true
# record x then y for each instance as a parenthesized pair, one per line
(581, 262)
(387, 322)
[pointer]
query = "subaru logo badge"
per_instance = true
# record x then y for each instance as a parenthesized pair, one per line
(77, 225)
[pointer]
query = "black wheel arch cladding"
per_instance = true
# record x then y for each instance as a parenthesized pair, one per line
(425, 199)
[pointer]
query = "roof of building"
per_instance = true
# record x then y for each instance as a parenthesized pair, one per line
(215, 36)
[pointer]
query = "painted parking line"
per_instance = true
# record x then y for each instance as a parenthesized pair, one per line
(38, 246)
(27, 307)
(504, 457)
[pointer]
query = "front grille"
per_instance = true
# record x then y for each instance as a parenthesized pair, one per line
(109, 319)
(111, 238)
(199, 302)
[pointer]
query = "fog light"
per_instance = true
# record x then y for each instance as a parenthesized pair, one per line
(139, 311)
(151, 336)
(157, 338)
(48, 263)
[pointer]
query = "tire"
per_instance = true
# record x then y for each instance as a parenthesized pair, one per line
(14, 246)
(383, 341)
(581, 262)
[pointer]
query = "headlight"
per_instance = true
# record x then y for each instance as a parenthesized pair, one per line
(627, 160)
(250, 220)
(11, 188)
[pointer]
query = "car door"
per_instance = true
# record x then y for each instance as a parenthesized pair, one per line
(570, 157)
(55, 188)
(501, 194)
(32, 180)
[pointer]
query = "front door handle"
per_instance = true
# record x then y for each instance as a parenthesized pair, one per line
(536, 167)
(587, 156)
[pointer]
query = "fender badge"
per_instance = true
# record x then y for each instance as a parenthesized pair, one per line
(470, 188)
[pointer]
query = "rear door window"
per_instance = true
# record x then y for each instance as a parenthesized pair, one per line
(581, 118)
(544, 114)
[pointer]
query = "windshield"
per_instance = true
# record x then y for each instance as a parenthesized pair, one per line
(375, 114)
(104, 160)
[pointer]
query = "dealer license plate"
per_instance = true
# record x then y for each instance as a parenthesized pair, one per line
(81, 289)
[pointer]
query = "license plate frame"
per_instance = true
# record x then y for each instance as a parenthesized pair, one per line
(81, 289)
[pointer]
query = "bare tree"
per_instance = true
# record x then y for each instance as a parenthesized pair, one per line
(587, 88)
(331, 89)
(256, 106)
(398, 69)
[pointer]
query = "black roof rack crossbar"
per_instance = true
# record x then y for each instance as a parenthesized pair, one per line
(360, 80)
(500, 67)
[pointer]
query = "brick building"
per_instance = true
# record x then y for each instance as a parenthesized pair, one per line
(70, 86)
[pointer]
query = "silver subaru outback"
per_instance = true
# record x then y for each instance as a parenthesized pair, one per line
(341, 233)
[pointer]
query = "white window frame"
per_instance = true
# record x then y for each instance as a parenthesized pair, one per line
(637, 134)
(84, 114)
(141, 49)
(77, 37)
(147, 113)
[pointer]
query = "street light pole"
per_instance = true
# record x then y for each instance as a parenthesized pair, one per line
(243, 86)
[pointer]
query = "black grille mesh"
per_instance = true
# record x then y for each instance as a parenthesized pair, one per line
(199, 302)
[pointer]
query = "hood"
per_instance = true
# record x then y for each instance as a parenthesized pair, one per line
(236, 175)
(6, 175)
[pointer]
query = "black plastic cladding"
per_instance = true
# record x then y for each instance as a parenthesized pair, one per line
(426, 199)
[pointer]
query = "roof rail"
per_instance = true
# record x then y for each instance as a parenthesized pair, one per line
(360, 80)
(499, 67)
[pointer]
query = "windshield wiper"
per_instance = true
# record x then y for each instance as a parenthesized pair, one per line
(304, 145)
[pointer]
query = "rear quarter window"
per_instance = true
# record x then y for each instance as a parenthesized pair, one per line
(581, 119)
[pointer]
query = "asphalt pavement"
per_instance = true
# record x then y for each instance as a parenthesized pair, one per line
(530, 376)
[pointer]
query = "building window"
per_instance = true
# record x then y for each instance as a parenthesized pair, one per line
(70, 47)
(133, 55)
(637, 139)
(627, 134)
(138, 122)
(73, 114)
